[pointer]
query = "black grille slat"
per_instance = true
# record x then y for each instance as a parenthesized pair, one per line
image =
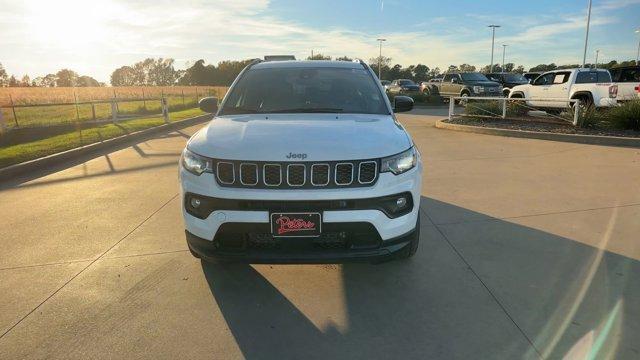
(272, 174)
(344, 173)
(225, 172)
(249, 174)
(367, 172)
(320, 174)
(296, 175)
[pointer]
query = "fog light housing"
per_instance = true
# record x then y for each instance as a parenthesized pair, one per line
(396, 205)
(199, 206)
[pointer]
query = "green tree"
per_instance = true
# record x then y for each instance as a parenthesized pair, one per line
(13, 82)
(319, 57)
(162, 73)
(87, 81)
(66, 78)
(467, 68)
(519, 69)
(123, 76)
(344, 58)
(4, 80)
(26, 81)
(420, 72)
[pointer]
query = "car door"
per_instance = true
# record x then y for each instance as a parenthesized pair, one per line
(446, 81)
(539, 89)
(559, 89)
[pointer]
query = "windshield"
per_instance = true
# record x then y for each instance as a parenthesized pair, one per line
(305, 90)
(473, 77)
(515, 78)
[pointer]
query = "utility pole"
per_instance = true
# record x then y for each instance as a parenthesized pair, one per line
(380, 40)
(597, 53)
(504, 49)
(638, 54)
(586, 39)
(493, 38)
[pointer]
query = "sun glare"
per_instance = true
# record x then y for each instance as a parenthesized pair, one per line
(68, 24)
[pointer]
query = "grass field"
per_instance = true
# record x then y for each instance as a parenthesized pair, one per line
(179, 98)
(36, 95)
(18, 153)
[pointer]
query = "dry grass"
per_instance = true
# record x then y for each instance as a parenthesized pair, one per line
(34, 95)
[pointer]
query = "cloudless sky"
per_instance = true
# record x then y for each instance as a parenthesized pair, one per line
(95, 37)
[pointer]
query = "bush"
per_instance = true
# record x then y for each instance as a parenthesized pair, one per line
(625, 116)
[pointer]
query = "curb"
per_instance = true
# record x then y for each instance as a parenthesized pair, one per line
(574, 138)
(15, 170)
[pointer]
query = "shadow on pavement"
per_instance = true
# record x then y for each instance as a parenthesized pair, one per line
(481, 289)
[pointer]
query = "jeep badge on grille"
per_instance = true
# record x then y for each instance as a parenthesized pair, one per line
(300, 156)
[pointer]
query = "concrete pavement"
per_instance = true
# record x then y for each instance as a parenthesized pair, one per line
(529, 249)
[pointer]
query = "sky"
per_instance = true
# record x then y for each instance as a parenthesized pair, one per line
(95, 37)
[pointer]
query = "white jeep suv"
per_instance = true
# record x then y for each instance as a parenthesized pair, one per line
(304, 161)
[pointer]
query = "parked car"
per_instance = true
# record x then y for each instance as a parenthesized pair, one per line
(385, 84)
(531, 76)
(303, 161)
(507, 80)
(628, 80)
(591, 87)
(403, 86)
(465, 85)
(423, 85)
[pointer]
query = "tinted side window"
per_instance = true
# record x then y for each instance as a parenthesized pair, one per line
(546, 79)
(629, 75)
(604, 77)
(447, 77)
(592, 77)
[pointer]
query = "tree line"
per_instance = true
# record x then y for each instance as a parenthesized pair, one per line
(161, 72)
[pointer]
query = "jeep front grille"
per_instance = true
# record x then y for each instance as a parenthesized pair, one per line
(295, 175)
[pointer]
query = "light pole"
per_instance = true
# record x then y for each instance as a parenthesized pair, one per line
(586, 39)
(597, 53)
(493, 38)
(380, 59)
(504, 48)
(638, 54)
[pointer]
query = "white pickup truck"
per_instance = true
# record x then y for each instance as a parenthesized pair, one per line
(591, 87)
(628, 80)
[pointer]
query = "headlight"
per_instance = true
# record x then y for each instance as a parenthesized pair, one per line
(194, 163)
(478, 89)
(400, 163)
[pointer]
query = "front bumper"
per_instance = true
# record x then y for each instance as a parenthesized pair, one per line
(387, 230)
(248, 246)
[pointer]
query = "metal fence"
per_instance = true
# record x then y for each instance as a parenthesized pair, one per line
(513, 108)
(35, 115)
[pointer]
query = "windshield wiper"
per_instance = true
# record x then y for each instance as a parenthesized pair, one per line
(303, 110)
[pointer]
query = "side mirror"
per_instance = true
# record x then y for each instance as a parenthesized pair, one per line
(209, 105)
(402, 104)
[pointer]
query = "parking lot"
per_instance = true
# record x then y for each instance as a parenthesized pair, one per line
(529, 249)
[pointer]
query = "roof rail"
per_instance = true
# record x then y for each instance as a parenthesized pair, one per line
(364, 64)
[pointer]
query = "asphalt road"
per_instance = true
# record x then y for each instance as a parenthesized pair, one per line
(529, 249)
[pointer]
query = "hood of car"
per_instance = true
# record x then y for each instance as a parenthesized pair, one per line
(317, 137)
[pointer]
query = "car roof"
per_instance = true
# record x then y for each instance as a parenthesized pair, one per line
(307, 64)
